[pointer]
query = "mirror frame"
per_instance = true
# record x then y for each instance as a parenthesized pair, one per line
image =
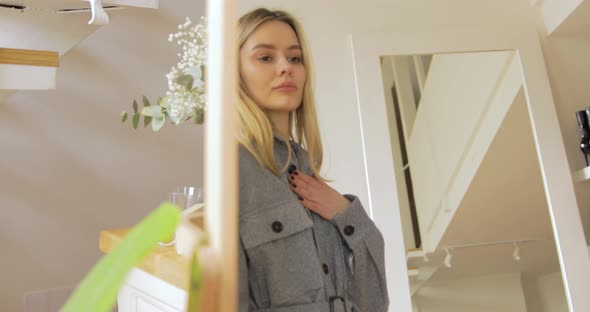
(368, 47)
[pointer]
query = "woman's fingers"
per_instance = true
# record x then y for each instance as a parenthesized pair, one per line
(317, 195)
(313, 206)
(303, 185)
(301, 178)
(302, 190)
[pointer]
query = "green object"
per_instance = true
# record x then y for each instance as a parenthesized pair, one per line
(199, 116)
(195, 290)
(135, 120)
(158, 122)
(146, 102)
(152, 111)
(98, 291)
(186, 81)
(146, 121)
(123, 116)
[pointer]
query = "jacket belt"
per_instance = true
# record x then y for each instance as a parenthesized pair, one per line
(335, 304)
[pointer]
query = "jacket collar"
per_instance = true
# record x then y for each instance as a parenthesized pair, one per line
(280, 150)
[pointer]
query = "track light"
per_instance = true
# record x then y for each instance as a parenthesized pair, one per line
(516, 252)
(450, 248)
(448, 258)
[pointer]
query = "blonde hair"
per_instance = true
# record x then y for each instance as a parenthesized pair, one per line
(255, 128)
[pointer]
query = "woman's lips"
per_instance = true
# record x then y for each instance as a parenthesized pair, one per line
(286, 87)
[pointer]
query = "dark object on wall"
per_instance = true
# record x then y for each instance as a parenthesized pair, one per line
(584, 128)
(12, 6)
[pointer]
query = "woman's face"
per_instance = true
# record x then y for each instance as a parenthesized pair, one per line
(271, 67)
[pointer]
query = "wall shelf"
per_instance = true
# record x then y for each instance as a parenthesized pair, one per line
(582, 176)
(29, 57)
(414, 253)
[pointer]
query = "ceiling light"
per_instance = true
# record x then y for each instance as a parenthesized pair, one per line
(516, 252)
(448, 258)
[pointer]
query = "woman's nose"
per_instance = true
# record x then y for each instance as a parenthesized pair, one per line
(286, 68)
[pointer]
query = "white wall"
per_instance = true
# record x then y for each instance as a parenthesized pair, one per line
(544, 293)
(482, 294)
(4, 94)
(27, 77)
(69, 168)
(569, 71)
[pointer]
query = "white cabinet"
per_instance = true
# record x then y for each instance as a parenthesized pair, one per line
(143, 292)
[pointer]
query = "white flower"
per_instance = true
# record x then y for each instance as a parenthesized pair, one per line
(197, 74)
(181, 105)
(158, 117)
(180, 102)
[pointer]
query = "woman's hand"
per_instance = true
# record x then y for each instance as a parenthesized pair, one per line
(317, 196)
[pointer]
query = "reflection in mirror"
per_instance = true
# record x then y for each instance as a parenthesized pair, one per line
(475, 219)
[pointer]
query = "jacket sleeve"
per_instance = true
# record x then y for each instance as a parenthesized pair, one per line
(367, 286)
(246, 197)
(244, 301)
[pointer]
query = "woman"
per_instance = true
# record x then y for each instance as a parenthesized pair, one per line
(303, 246)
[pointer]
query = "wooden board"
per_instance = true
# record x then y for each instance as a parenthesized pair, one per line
(163, 262)
(29, 57)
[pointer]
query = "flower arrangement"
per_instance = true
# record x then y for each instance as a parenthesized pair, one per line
(186, 95)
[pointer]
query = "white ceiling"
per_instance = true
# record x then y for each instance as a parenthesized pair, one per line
(577, 23)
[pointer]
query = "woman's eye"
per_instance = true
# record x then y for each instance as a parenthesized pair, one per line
(295, 59)
(264, 59)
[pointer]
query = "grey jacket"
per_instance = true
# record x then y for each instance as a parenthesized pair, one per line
(293, 260)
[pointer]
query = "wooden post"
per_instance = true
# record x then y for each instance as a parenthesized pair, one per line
(221, 177)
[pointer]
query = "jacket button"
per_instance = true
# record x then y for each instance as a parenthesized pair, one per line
(348, 230)
(292, 168)
(277, 227)
(325, 268)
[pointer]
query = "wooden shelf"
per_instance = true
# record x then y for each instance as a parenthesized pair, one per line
(29, 57)
(163, 262)
(414, 253)
(582, 176)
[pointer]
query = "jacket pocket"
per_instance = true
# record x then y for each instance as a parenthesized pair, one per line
(283, 260)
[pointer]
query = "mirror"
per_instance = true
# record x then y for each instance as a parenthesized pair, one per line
(470, 189)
